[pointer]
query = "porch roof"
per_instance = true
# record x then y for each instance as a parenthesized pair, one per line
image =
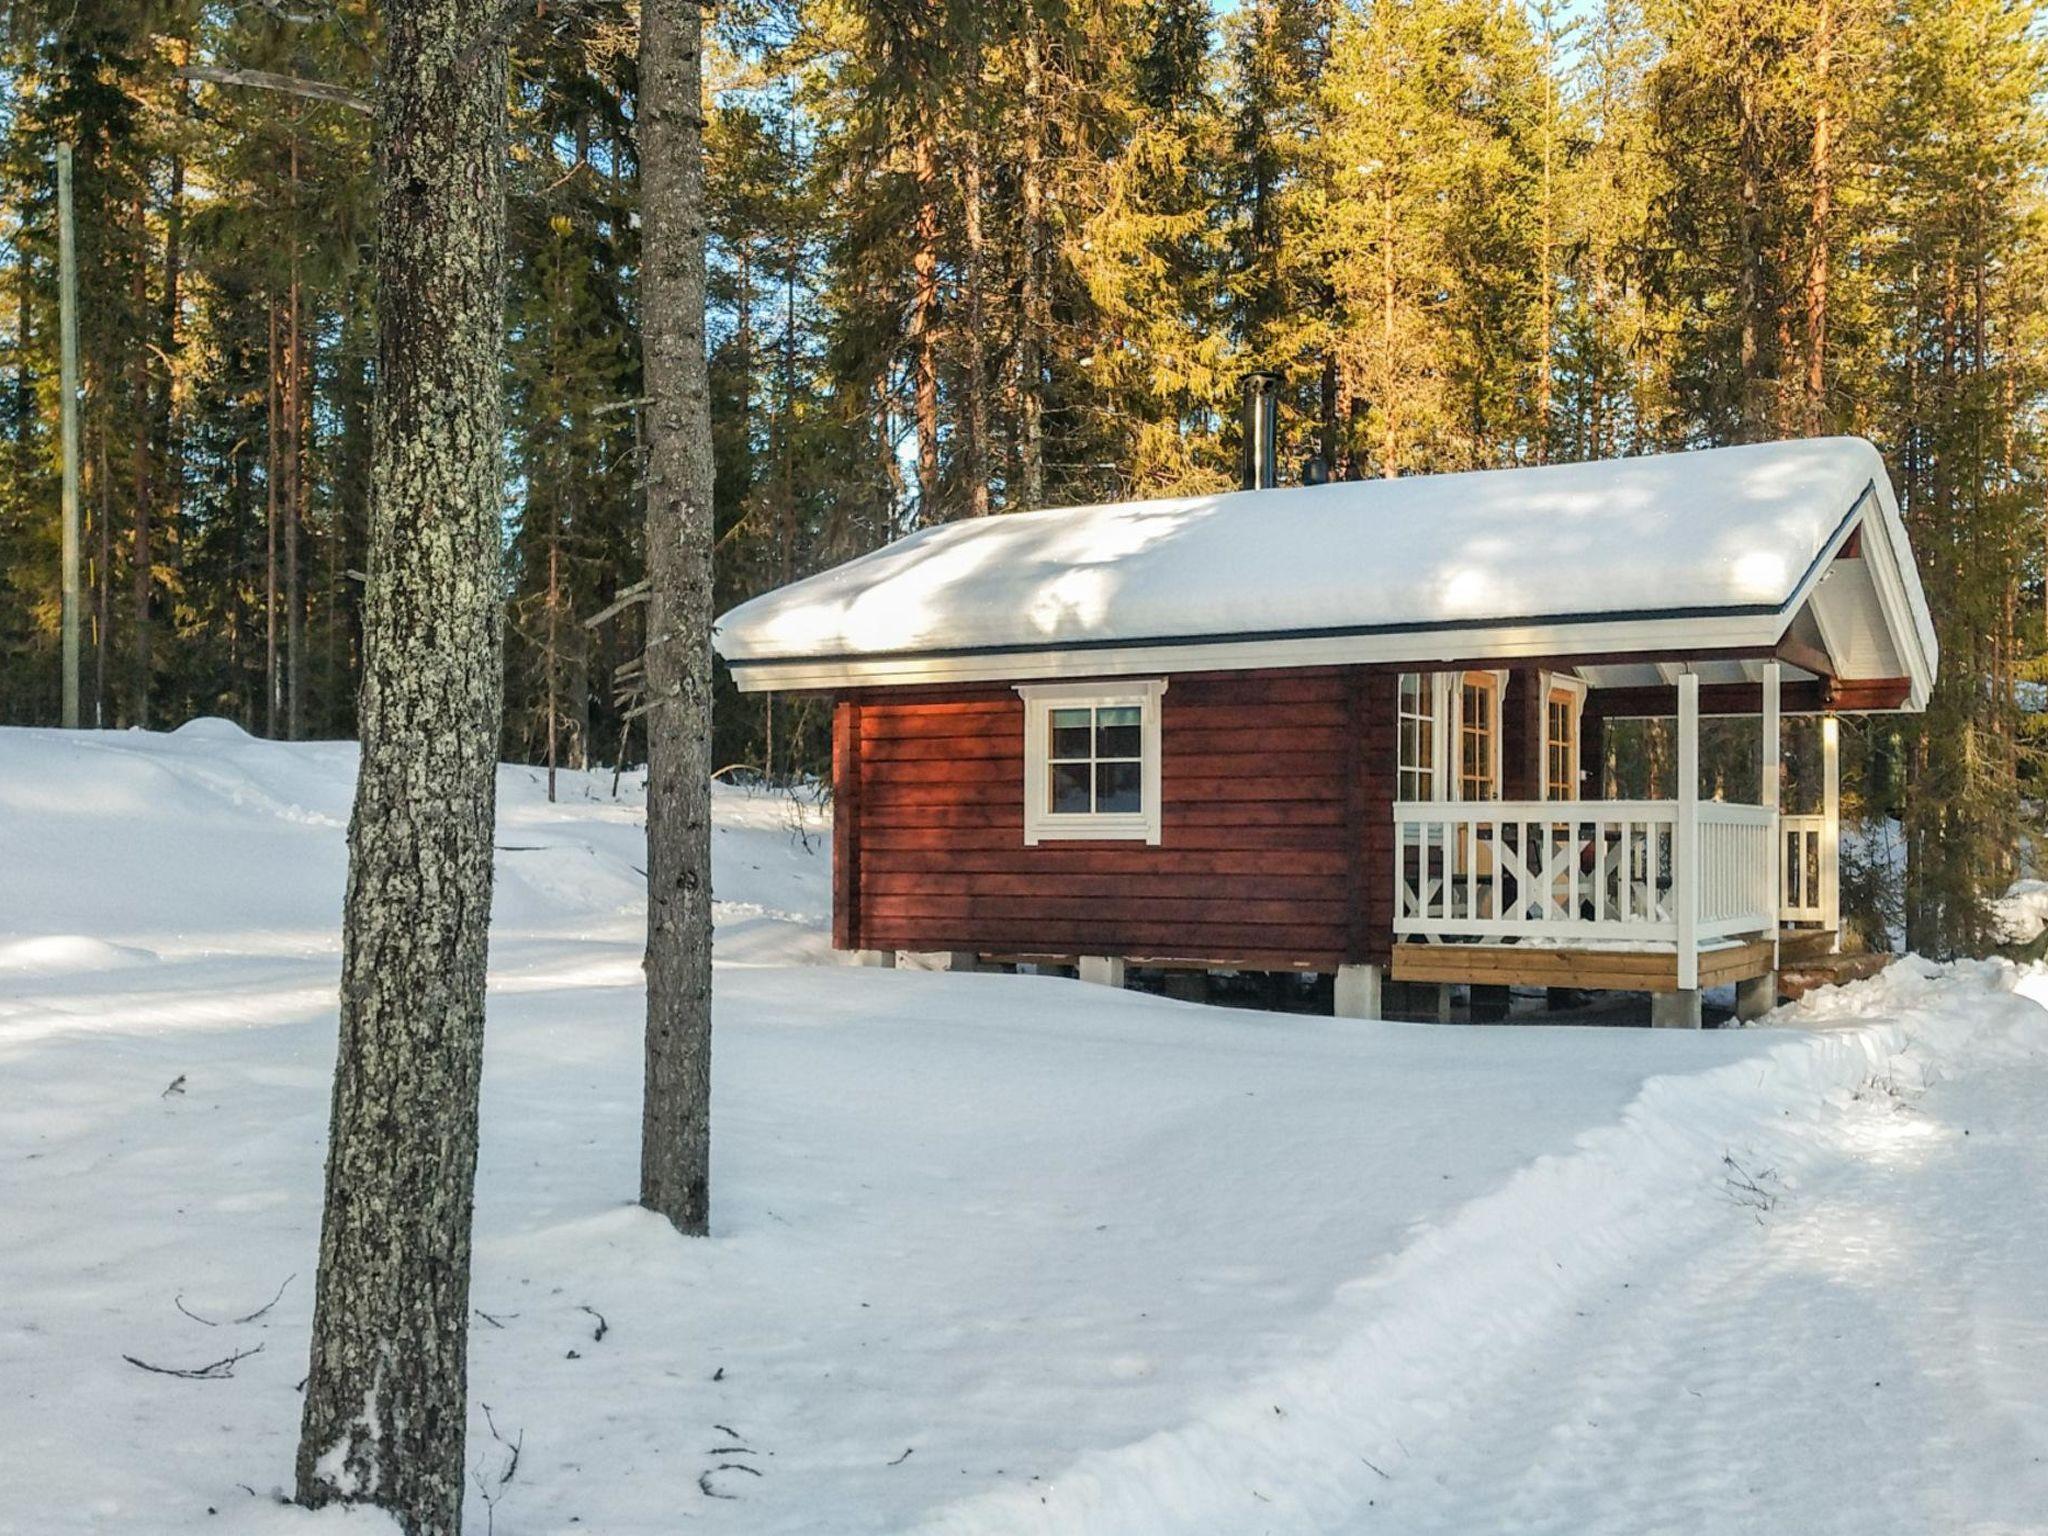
(1720, 549)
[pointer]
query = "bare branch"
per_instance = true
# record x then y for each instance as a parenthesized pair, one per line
(219, 1370)
(179, 1302)
(637, 593)
(289, 85)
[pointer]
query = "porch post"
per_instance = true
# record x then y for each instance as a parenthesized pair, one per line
(1773, 778)
(1685, 835)
(1831, 829)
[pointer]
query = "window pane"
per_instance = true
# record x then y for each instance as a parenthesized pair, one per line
(1070, 733)
(1116, 732)
(1070, 789)
(1117, 787)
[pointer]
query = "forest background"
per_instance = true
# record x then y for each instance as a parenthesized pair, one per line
(969, 258)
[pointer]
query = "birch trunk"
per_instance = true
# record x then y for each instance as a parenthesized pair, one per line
(675, 1131)
(386, 1394)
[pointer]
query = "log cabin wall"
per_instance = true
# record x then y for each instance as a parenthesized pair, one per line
(1276, 793)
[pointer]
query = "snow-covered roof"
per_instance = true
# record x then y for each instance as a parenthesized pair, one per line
(1719, 548)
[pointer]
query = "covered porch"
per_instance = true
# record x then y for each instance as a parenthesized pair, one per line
(1669, 895)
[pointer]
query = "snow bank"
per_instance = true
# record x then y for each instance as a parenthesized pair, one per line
(1432, 1333)
(2021, 914)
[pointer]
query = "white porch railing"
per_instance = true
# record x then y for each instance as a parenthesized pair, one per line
(1578, 872)
(1804, 899)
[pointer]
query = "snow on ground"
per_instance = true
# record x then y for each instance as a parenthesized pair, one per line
(991, 1253)
(2021, 914)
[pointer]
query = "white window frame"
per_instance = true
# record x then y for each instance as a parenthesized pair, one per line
(1431, 696)
(1454, 710)
(1041, 823)
(1554, 682)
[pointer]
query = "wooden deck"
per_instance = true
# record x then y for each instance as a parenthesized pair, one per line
(1588, 967)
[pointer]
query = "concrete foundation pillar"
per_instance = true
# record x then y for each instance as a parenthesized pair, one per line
(1108, 970)
(1757, 996)
(958, 960)
(1358, 992)
(885, 958)
(1675, 1010)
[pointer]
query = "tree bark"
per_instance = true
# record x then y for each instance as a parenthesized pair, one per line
(385, 1398)
(924, 304)
(1820, 219)
(141, 560)
(976, 391)
(1032, 331)
(675, 1133)
(270, 469)
(295, 499)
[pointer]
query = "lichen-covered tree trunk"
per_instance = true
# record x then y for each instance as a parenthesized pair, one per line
(386, 1394)
(675, 1132)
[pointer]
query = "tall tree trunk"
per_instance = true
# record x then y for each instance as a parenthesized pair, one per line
(386, 1395)
(675, 1132)
(141, 560)
(554, 652)
(975, 391)
(103, 619)
(1389, 403)
(1819, 220)
(238, 514)
(270, 488)
(172, 514)
(1752, 423)
(1032, 335)
(924, 304)
(295, 497)
(1546, 244)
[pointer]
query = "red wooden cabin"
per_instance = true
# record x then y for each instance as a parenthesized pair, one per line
(1356, 728)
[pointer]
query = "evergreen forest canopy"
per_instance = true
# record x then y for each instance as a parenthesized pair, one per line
(972, 257)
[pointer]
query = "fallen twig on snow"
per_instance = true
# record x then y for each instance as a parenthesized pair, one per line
(178, 1301)
(218, 1370)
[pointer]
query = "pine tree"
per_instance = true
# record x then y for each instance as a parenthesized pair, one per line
(386, 1394)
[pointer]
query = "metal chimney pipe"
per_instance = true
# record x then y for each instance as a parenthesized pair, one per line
(1261, 430)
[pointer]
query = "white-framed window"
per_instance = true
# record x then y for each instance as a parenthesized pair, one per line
(1091, 760)
(1418, 717)
(1564, 702)
(1475, 735)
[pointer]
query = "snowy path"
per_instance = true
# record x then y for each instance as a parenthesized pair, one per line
(1869, 1354)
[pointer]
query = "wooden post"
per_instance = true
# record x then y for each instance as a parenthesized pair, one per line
(1771, 779)
(1831, 829)
(67, 388)
(1685, 862)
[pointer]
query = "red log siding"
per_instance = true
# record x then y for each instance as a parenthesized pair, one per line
(1275, 830)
